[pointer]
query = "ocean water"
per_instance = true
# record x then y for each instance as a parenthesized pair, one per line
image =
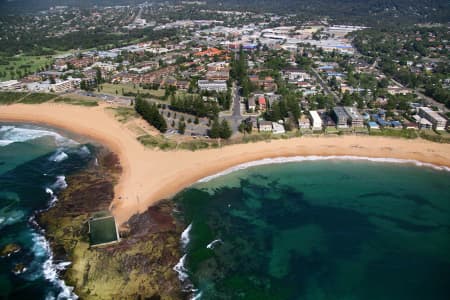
(318, 229)
(33, 164)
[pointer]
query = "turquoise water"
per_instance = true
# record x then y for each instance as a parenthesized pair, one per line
(319, 230)
(33, 164)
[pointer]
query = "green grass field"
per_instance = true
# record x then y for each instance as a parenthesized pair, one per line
(22, 64)
(109, 88)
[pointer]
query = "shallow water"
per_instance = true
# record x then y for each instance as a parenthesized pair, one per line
(33, 165)
(327, 229)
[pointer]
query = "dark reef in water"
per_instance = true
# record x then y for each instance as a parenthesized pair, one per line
(140, 266)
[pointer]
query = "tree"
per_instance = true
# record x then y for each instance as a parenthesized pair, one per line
(98, 76)
(214, 132)
(181, 127)
(225, 130)
(151, 114)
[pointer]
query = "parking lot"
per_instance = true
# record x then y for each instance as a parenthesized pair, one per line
(192, 129)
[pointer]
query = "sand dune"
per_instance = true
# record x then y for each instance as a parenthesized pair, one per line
(151, 175)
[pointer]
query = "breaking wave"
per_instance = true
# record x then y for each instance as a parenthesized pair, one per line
(13, 134)
(60, 183)
(44, 265)
(213, 243)
(181, 269)
(185, 236)
(58, 156)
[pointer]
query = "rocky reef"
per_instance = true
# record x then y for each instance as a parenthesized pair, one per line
(9, 250)
(140, 266)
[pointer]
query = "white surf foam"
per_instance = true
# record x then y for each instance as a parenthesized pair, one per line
(213, 243)
(185, 236)
(5, 142)
(49, 270)
(4, 128)
(60, 183)
(280, 160)
(84, 150)
(181, 269)
(11, 134)
(58, 156)
(198, 296)
(53, 197)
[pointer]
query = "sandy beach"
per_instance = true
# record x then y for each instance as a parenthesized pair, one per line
(150, 175)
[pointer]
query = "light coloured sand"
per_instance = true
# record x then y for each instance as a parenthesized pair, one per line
(151, 175)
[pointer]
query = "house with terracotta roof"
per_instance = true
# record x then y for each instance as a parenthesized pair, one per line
(262, 103)
(210, 52)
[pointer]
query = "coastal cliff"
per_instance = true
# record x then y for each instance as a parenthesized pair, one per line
(139, 266)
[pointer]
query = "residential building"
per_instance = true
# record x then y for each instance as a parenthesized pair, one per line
(277, 128)
(439, 122)
(354, 117)
(262, 103)
(10, 85)
(65, 85)
(340, 117)
(209, 52)
(265, 126)
(251, 104)
(316, 121)
(217, 75)
(304, 122)
(422, 122)
(219, 66)
(215, 85)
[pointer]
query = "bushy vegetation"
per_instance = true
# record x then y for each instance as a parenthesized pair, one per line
(10, 97)
(72, 101)
(157, 142)
(150, 113)
(37, 98)
(124, 114)
(401, 133)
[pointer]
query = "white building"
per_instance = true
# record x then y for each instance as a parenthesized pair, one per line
(265, 126)
(439, 122)
(316, 120)
(214, 85)
(65, 85)
(10, 85)
(277, 128)
(304, 122)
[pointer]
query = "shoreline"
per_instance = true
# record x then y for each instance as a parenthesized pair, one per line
(298, 159)
(150, 175)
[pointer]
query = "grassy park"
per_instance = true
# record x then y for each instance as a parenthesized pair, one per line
(11, 67)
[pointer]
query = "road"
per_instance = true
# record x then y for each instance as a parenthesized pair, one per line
(428, 100)
(236, 117)
(325, 86)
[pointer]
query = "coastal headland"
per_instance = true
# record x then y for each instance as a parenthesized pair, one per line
(150, 175)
